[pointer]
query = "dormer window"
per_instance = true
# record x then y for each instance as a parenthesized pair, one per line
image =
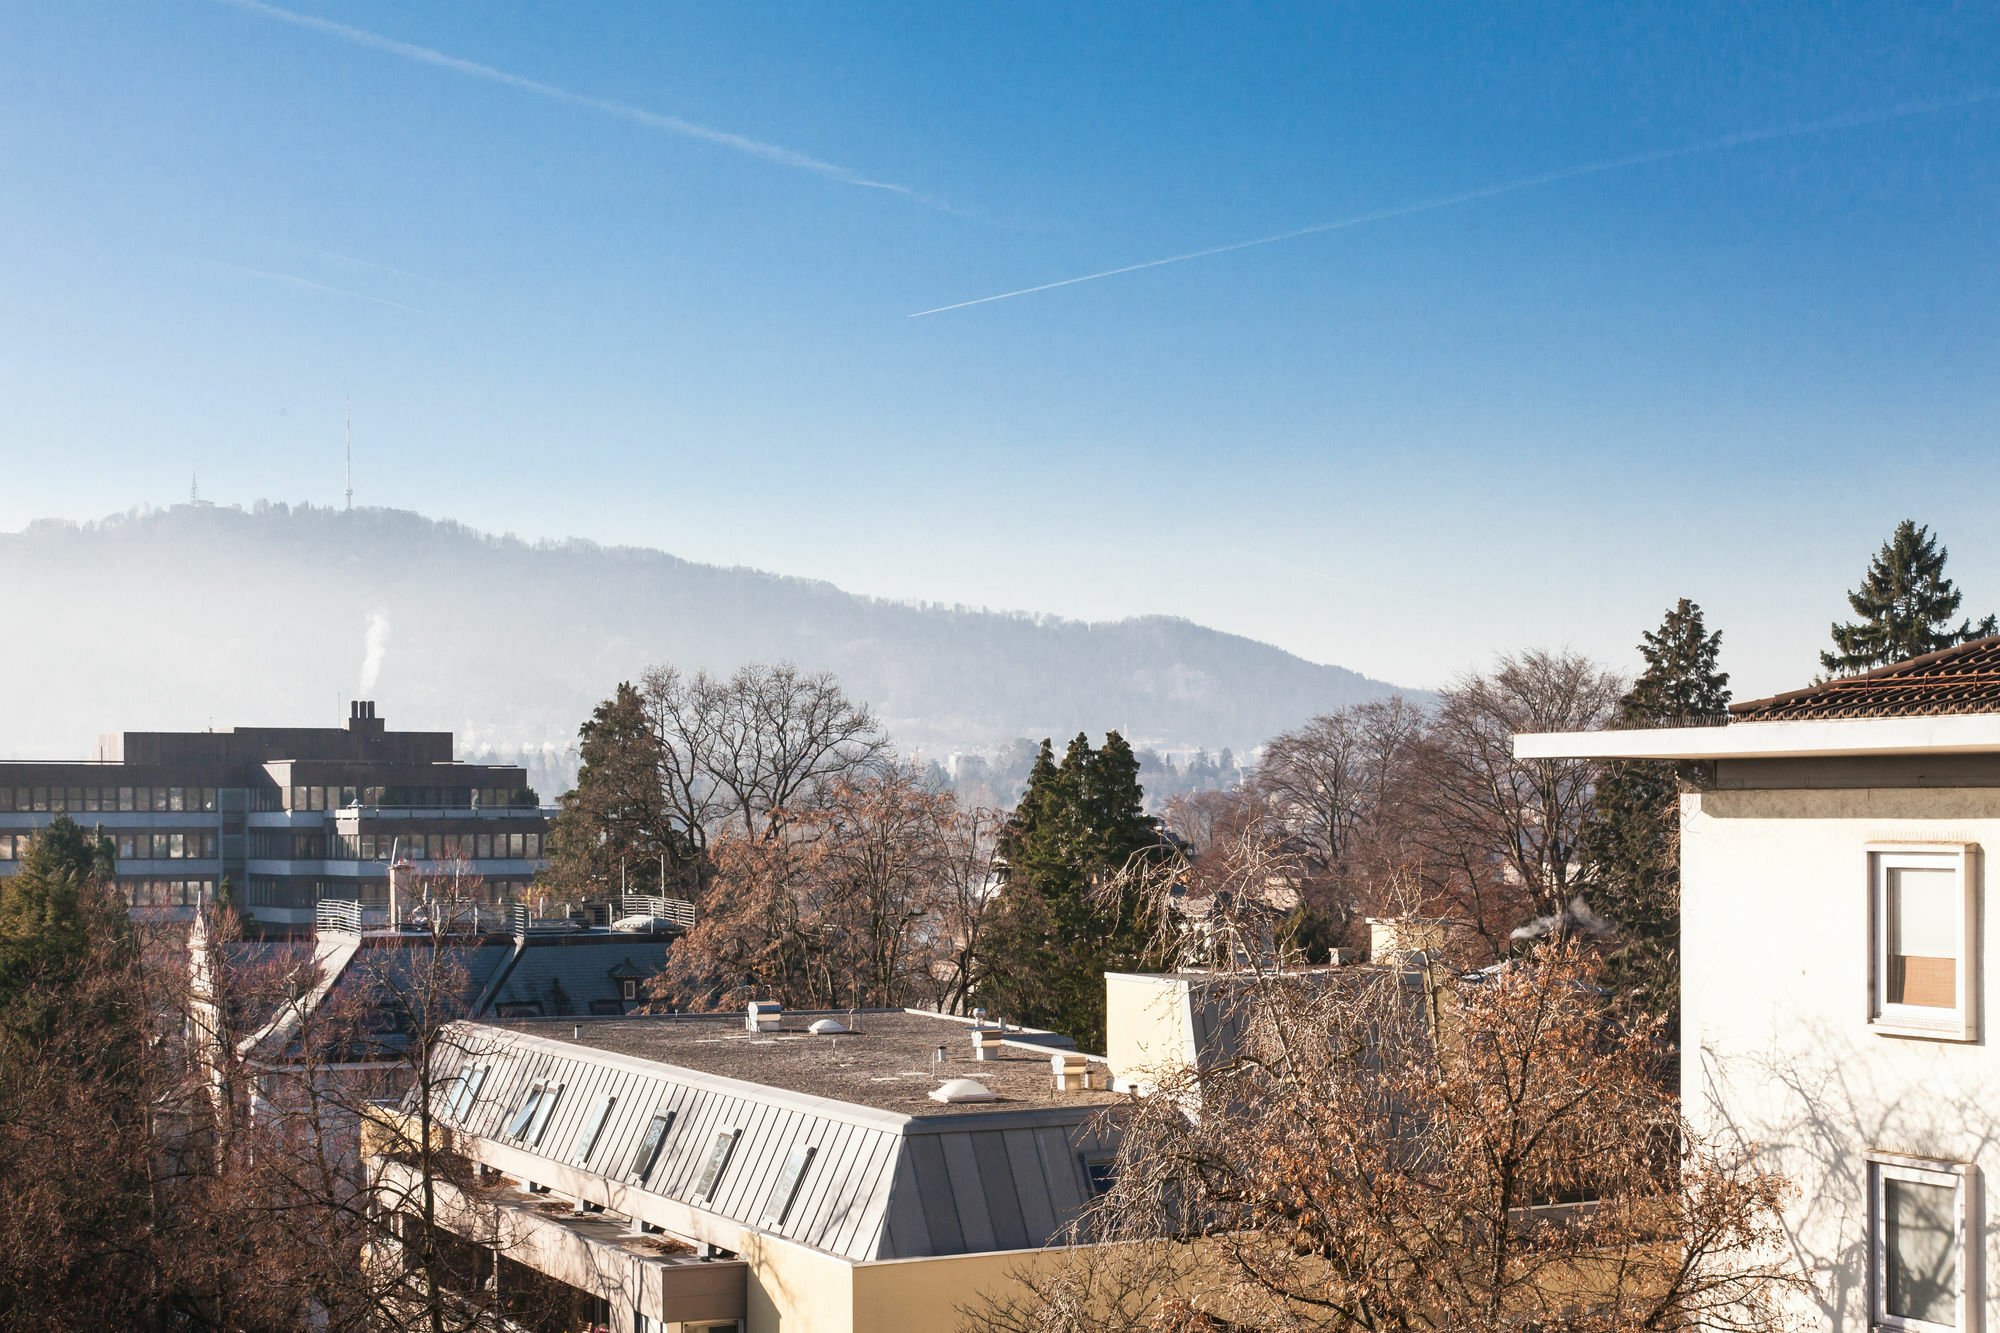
(1922, 924)
(628, 989)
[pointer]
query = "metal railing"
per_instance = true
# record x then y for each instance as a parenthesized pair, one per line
(679, 911)
(342, 914)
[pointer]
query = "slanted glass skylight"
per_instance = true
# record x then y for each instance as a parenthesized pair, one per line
(719, 1153)
(467, 1091)
(593, 1125)
(786, 1188)
(649, 1145)
(519, 1124)
(546, 1104)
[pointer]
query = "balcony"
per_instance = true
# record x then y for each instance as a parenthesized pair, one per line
(595, 1253)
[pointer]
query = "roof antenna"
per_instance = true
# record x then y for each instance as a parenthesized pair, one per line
(350, 451)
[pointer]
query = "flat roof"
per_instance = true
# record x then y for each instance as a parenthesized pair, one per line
(1819, 738)
(887, 1065)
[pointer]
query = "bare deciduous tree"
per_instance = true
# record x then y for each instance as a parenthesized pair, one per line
(1484, 837)
(1407, 1150)
(757, 748)
(965, 898)
(1327, 779)
(840, 908)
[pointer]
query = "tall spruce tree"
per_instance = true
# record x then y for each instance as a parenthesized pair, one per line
(56, 911)
(1905, 605)
(1064, 919)
(614, 826)
(1632, 841)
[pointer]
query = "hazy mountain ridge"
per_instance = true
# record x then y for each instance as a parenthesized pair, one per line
(173, 618)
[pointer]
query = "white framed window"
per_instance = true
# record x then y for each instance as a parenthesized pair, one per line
(1923, 1275)
(1923, 940)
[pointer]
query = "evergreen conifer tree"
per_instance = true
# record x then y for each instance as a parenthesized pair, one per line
(1905, 605)
(1079, 824)
(56, 907)
(615, 824)
(1633, 839)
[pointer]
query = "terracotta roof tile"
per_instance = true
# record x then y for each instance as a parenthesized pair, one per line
(1965, 679)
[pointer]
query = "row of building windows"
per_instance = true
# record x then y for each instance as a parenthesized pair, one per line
(438, 846)
(94, 800)
(450, 798)
(131, 845)
(166, 892)
(97, 799)
(164, 846)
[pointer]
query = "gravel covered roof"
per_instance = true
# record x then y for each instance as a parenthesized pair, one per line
(886, 1065)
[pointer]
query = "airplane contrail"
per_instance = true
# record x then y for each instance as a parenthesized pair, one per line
(689, 129)
(307, 284)
(1727, 141)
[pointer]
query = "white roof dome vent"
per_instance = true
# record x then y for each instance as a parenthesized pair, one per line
(964, 1090)
(828, 1027)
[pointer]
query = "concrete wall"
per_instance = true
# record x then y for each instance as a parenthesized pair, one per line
(1778, 1050)
(1148, 1026)
(794, 1289)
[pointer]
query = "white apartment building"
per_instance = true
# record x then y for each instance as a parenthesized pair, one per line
(1837, 964)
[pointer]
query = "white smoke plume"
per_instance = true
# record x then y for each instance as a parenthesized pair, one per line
(1574, 921)
(374, 647)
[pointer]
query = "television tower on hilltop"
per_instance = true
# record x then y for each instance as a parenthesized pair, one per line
(350, 452)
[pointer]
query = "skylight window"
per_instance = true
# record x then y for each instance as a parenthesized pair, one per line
(785, 1190)
(451, 1094)
(546, 1104)
(719, 1153)
(593, 1125)
(519, 1124)
(467, 1091)
(649, 1145)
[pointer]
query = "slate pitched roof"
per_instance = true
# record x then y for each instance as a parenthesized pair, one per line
(566, 976)
(1964, 679)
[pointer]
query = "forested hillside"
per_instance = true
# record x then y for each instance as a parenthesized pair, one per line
(201, 614)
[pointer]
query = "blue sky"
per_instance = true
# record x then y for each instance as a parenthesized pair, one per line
(636, 277)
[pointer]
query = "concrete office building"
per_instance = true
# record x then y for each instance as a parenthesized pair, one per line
(288, 816)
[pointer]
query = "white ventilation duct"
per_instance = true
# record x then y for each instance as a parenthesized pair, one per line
(964, 1090)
